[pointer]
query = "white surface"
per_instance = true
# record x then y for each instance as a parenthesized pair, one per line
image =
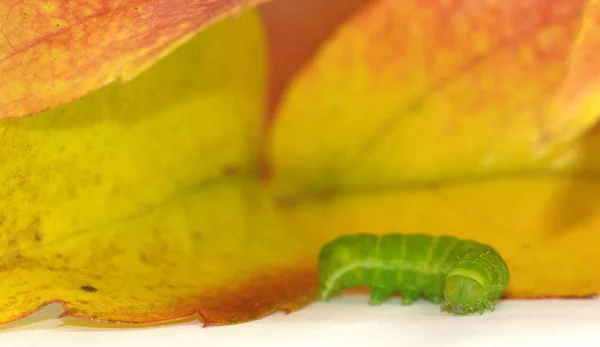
(342, 322)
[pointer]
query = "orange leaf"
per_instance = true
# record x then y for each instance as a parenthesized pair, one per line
(576, 107)
(295, 29)
(416, 91)
(426, 117)
(54, 51)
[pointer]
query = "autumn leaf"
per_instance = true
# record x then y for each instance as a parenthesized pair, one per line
(133, 204)
(55, 51)
(575, 107)
(143, 202)
(427, 116)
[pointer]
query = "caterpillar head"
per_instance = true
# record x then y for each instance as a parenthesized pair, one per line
(465, 294)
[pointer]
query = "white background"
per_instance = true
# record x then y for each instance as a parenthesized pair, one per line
(347, 321)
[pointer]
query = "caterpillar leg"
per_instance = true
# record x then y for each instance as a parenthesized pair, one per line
(410, 296)
(436, 298)
(379, 295)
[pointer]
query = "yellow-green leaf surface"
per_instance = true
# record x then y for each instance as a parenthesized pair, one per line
(426, 117)
(132, 204)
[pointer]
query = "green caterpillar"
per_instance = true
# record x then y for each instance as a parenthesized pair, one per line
(463, 275)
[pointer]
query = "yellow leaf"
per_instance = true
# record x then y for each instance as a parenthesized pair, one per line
(132, 204)
(426, 117)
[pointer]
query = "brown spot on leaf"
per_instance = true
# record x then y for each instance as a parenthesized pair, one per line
(231, 171)
(144, 258)
(33, 229)
(197, 235)
(89, 289)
